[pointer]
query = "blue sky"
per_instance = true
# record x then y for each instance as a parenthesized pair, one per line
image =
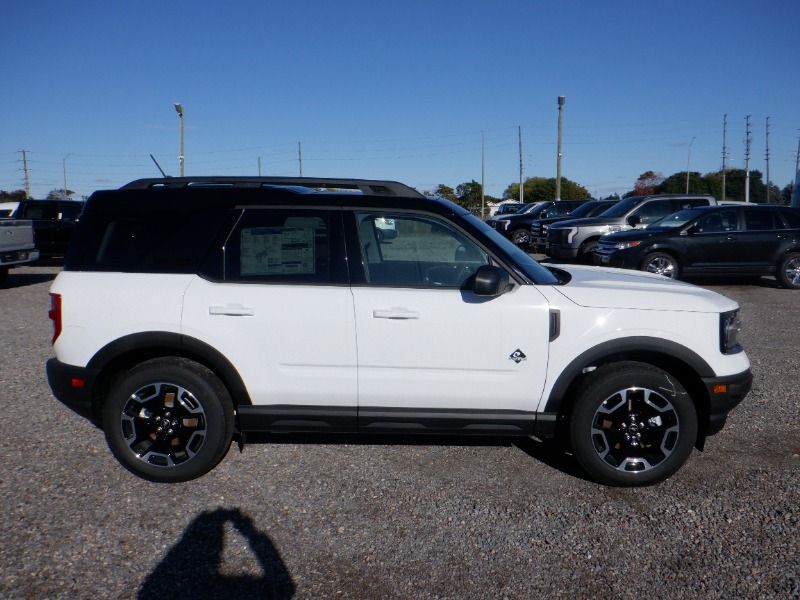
(394, 90)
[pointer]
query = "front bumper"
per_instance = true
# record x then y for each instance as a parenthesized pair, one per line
(73, 386)
(561, 252)
(724, 394)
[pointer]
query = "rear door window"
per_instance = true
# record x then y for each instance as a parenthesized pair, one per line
(758, 220)
(286, 246)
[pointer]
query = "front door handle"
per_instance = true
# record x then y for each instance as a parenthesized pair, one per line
(232, 310)
(394, 313)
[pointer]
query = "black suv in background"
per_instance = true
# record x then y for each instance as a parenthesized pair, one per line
(718, 240)
(53, 223)
(517, 227)
(539, 228)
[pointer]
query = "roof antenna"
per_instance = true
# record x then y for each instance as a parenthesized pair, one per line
(164, 175)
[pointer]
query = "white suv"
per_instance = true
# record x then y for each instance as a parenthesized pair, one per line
(194, 310)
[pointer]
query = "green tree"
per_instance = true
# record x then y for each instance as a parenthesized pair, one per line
(15, 196)
(676, 184)
(540, 188)
(446, 192)
(468, 195)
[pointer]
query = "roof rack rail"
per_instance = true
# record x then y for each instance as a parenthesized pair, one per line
(365, 186)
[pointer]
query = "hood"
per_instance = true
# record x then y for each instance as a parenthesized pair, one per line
(601, 287)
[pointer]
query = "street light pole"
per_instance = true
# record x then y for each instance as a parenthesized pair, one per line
(179, 110)
(561, 100)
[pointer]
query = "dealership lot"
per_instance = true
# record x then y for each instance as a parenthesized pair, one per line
(315, 518)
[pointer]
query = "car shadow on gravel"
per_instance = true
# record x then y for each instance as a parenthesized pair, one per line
(548, 452)
(17, 280)
(192, 567)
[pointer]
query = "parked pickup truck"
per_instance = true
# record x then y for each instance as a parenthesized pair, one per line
(53, 223)
(16, 244)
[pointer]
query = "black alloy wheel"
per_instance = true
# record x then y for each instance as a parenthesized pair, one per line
(633, 424)
(169, 420)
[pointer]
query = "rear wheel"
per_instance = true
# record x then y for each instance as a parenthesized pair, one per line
(3, 275)
(661, 263)
(789, 271)
(169, 420)
(632, 424)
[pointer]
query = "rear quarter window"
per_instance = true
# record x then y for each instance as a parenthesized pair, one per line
(145, 239)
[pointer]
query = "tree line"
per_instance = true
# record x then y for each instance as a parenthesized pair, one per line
(651, 182)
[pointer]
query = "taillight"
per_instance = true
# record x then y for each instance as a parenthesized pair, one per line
(55, 315)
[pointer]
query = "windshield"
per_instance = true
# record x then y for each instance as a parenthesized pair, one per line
(678, 219)
(529, 266)
(587, 209)
(621, 208)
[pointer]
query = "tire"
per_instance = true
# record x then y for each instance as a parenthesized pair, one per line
(168, 420)
(632, 424)
(586, 252)
(3, 275)
(789, 271)
(521, 237)
(661, 263)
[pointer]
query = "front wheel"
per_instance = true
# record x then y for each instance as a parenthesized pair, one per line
(521, 237)
(789, 271)
(168, 420)
(661, 263)
(632, 424)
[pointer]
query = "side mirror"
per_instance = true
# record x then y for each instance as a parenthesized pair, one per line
(490, 281)
(634, 220)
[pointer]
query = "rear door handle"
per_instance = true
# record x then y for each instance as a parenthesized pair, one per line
(232, 310)
(394, 313)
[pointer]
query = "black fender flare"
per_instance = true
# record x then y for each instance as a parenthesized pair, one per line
(631, 348)
(142, 346)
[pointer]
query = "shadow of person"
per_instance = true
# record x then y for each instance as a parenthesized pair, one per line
(191, 569)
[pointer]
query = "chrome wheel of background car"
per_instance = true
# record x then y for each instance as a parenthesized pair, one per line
(631, 424)
(660, 264)
(163, 424)
(789, 271)
(635, 429)
(521, 237)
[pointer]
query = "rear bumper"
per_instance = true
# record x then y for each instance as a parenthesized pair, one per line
(72, 386)
(724, 394)
(18, 257)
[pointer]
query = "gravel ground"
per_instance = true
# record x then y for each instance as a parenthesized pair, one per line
(310, 518)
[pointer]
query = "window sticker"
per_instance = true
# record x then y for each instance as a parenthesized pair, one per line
(277, 251)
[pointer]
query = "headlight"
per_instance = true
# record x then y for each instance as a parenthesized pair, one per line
(729, 327)
(626, 245)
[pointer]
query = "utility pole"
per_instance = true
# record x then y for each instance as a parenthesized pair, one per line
(27, 176)
(300, 157)
(561, 101)
(767, 157)
(795, 201)
(747, 159)
(259, 166)
(724, 151)
(688, 163)
(64, 164)
(521, 187)
(483, 187)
